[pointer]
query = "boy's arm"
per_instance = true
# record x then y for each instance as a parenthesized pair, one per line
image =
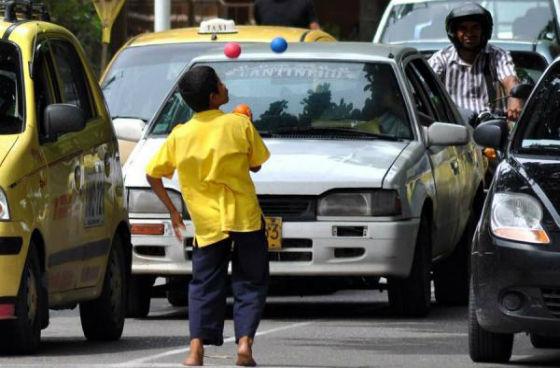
(176, 217)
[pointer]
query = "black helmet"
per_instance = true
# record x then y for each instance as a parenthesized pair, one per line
(473, 12)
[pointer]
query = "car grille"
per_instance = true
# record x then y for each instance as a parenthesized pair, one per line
(551, 299)
(289, 208)
(293, 250)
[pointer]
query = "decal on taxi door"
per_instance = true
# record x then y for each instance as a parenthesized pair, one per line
(94, 204)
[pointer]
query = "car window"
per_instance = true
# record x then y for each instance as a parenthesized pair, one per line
(328, 98)
(72, 79)
(11, 96)
(539, 129)
(140, 77)
(423, 109)
(526, 20)
(43, 82)
(173, 113)
(436, 96)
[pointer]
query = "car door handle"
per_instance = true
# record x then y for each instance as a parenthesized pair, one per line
(455, 167)
(78, 177)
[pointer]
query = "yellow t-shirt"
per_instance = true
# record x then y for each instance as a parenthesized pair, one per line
(212, 153)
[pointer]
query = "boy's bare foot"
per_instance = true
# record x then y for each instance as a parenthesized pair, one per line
(196, 354)
(245, 352)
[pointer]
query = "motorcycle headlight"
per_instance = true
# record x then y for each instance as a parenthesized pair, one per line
(370, 203)
(4, 209)
(518, 217)
(145, 201)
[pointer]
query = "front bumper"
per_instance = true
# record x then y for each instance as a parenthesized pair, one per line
(317, 248)
(516, 285)
(14, 240)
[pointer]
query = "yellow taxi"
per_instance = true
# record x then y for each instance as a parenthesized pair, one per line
(64, 232)
(144, 70)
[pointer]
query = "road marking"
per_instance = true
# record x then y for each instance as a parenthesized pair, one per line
(136, 362)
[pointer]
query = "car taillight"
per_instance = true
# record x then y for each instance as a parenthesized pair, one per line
(7, 311)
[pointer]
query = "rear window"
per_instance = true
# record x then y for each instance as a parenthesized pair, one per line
(141, 77)
(323, 98)
(11, 94)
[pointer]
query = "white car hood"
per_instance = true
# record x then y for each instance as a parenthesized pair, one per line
(298, 166)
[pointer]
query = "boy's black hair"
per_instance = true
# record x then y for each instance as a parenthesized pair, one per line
(196, 86)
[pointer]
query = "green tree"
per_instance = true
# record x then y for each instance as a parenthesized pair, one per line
(80, 18)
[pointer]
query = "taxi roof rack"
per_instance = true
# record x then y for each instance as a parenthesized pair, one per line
(29, 8)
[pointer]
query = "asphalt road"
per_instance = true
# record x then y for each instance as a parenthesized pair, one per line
(351, 328)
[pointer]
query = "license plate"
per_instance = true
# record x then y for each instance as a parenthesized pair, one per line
(274, 232)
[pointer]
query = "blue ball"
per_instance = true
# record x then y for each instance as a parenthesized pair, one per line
(279, 45)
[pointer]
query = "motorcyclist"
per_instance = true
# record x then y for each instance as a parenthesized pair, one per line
(479, 76)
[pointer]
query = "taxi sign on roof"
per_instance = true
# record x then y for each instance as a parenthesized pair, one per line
(217, 25)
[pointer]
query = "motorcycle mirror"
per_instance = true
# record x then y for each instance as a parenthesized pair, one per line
(522, 90)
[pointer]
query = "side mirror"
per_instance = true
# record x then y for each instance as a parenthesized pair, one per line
(492, 133)
(60, 119)
(445, 134)
(522, 91)
(129, 129)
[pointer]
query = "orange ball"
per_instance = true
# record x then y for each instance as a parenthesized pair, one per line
(243, 109)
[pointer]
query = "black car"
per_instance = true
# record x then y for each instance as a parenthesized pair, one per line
(515, 262)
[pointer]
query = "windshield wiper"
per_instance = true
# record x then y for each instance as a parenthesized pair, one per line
(111, 80)
(129, 117)
(327, 131)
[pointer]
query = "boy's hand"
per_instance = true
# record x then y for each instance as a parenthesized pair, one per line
(178, 225)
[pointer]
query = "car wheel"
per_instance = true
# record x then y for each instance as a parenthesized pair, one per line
(451, 276)
(486, 346)
(545, 342)
(411, 296)
(23, 335)
(103, 318)
(177, 292)
(139, 296)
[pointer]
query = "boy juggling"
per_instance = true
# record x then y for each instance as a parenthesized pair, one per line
(213, 154)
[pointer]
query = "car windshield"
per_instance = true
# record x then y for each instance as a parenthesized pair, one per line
(11, 97)
(526, 20)
(308, 98)
(141, 76)
(539, 128)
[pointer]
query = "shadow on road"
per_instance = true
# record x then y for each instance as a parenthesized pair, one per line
(53, 346)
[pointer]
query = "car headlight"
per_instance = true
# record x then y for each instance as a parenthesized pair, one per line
(4, 209)
(518, 217)
(146, 201)
(370, 203)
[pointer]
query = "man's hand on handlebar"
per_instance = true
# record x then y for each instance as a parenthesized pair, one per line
(515, 105)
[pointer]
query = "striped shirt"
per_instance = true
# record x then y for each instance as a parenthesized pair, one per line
(466, 83)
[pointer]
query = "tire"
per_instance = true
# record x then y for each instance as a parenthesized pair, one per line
(411, 296)
(23, 335)
(139, 296)
(486, 346)
(103, 318)
(545, 342)
(177, 292)
(451, 276)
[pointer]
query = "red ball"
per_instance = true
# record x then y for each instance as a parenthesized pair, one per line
(232, 50)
